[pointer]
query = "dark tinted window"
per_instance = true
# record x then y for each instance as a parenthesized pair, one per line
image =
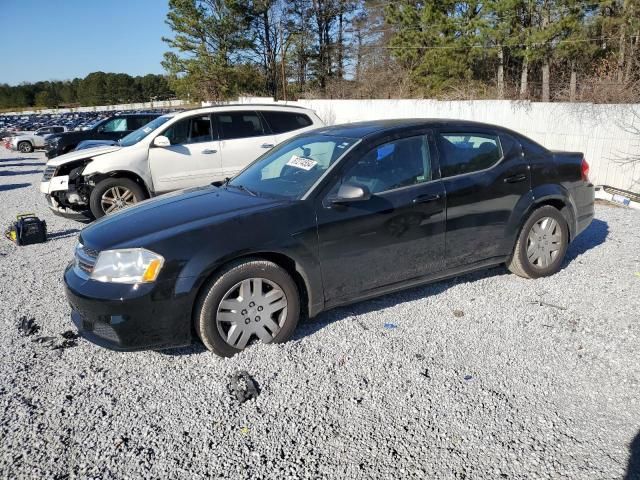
(467, 152)
(190, 130)
(57, 129)
(239, 125)
(137, 122)
(281, 122)
(396, 164)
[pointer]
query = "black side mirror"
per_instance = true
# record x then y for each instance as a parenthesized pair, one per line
(349, 193)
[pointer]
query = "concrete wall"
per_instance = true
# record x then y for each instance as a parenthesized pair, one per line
(604, 133)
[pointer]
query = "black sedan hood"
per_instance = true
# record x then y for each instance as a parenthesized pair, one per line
(170, 214)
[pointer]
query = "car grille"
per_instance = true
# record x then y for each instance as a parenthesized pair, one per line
(48, 173)
(85, 260)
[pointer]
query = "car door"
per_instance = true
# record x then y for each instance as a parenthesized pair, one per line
(243, 138)
(485, 175)
(396, 235)
(192, 159)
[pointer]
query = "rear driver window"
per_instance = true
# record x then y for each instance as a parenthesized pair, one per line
(467, 152)
(239, 125)
(281, 122)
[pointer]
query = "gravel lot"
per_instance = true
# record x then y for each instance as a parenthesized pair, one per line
(483, 376)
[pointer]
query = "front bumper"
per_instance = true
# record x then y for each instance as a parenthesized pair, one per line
(129, 317)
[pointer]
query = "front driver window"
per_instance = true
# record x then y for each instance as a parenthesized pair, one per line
(392, 165)
(190, 130)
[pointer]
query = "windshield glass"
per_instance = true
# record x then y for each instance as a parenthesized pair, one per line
(290, 169)
(137, 135)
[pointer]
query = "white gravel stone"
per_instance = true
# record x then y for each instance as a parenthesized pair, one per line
(513, 388)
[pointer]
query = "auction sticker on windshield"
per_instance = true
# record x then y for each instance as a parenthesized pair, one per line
(301, 162)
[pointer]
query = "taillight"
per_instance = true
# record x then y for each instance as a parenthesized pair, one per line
(584, 169)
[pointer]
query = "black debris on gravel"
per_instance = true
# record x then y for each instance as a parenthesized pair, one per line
(70, 335)
(243, 386)
(28, 326)
(48, 341)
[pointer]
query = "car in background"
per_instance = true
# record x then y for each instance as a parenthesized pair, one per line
(330, 217)
(27, 142)
(172, 152)
(111, 128)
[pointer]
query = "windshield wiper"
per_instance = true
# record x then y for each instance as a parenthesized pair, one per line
(244, 189)
(226, 184)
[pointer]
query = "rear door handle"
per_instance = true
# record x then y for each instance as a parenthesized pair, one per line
(208, 151)
(266, 145)
(426, 198)
(521, 177)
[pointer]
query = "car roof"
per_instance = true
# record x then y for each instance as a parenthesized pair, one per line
(244, 106)
(375, 127)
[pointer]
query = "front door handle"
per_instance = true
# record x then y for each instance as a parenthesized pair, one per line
(426, 198)
(521, 177)
(266, 145)
(209, 151)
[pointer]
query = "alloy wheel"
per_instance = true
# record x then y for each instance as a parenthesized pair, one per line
(252, 308)
(116, 198)
(544, 242)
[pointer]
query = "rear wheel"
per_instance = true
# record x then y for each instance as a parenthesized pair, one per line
(113, 194)
(25, 147)
(542, 244)
(252, 300)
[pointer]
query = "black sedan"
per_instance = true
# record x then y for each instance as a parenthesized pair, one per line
(330, 217)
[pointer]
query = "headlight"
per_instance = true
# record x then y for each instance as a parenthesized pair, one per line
(132, 265)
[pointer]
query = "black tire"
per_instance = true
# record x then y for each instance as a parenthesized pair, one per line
(95, 199)
(25, 147)
(520, 264)
(206, 309)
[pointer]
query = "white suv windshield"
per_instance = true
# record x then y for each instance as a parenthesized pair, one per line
(137, 135)
(290, 169)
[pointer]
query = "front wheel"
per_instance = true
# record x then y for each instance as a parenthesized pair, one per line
(113, 194)
(250, 300)
(25, 147)
(542, 244)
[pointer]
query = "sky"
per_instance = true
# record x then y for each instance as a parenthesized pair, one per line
(64, 39)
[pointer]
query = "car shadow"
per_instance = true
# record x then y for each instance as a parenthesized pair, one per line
(36, 164)
(24, 172)
(72, 232)
(633, 467)
(13, 186)
(311, 326)
(594, 235)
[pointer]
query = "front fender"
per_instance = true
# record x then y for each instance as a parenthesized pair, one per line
(132, 162)
(253, 236)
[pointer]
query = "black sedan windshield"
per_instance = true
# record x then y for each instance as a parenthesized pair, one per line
(290, 169)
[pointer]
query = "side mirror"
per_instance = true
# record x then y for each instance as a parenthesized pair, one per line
(348, 193)
(161, 141)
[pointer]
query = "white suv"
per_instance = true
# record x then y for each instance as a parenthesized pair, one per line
(172, 152)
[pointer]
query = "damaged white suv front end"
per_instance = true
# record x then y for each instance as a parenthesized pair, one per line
(68, 180)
